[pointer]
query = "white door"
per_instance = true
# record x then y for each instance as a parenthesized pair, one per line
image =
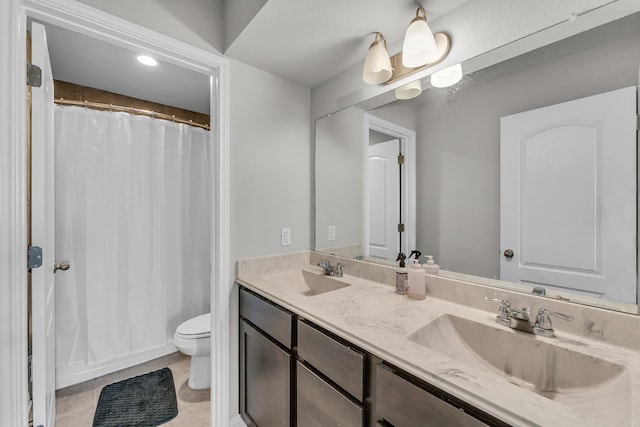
(384, 200)
(568, 196)
(43, 226)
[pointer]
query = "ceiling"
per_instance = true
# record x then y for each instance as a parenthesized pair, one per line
(310, 41)
(305, 41)
(86, 61)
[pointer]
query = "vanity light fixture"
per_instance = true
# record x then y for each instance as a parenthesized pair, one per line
(447, 76)
(419, 47)
(377, 65)
(147, 60)
(409, 91)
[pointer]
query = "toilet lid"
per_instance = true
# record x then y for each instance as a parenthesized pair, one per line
(198, 327)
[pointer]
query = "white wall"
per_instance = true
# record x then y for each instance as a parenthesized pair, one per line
(197, 22)
(270, 174)
(402, 113)
(458, 140)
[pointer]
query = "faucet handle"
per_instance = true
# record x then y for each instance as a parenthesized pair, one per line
(504, 312)
(544, 326)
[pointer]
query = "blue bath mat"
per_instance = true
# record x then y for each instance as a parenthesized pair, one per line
(144, 401)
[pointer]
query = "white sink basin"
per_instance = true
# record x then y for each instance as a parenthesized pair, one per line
(578, 380)
(306, 282)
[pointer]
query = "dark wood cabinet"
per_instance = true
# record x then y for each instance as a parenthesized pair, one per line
(294, 373)
(265, 363)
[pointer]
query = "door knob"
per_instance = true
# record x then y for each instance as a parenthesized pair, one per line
(63, 266)
(508, 253)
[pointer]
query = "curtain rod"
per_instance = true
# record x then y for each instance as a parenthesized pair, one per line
(130, 110)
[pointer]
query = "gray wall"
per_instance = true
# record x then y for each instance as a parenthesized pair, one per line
(458, 146)
(270, 174)
(339, 178)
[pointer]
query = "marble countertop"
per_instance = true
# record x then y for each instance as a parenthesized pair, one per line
(372, 316)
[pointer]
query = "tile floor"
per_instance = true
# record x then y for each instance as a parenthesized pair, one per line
(76, 405)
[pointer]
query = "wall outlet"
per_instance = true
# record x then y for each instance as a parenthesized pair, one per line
(332, 233)
(285, 236)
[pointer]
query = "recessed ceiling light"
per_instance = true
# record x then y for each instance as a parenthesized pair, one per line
(147, 60)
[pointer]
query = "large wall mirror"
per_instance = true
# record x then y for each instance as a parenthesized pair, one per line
(582, 223)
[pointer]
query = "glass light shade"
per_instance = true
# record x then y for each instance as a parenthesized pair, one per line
(419, 47)
(377, 65)
(410, 90)
(447, 76)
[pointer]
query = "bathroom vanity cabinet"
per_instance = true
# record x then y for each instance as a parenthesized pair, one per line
(330, 380)
(295, 373)
(265, 362)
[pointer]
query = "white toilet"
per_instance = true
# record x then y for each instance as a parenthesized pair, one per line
(193, 338)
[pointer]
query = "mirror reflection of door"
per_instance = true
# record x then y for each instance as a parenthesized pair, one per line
(384, 196)
(568, 186)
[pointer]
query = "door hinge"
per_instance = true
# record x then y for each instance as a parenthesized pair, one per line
(34, 257)
(401, 159)
(400, 228)
(34, 75)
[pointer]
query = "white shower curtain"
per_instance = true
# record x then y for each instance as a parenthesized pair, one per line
(133, 219)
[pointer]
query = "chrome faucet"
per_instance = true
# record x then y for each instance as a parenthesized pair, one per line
(520, 319)
(331, 270)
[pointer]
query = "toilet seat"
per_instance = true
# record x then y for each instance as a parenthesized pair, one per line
(198, 327)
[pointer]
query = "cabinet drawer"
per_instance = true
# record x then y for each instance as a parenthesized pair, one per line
(400, 403)
(343, 365)
(321, 405)
(271, 319)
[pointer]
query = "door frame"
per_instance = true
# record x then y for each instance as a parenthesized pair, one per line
(407, 139)
(86, 20)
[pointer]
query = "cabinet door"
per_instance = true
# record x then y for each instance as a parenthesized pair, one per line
(319, 404)
(400, 403)
(265, 380)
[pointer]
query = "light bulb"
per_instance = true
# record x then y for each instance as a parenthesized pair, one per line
(147, 60)
(377, 65)
(419, 47)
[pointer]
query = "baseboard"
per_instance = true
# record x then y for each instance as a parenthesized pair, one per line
(237, 422)
(74, 374)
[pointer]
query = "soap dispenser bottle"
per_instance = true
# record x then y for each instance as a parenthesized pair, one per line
(416, 283)
(430, 267)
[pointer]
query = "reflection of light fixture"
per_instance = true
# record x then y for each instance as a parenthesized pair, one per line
(147, 60)
(410, 90)
(447, 76)
(419, 47)
(377, 66)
